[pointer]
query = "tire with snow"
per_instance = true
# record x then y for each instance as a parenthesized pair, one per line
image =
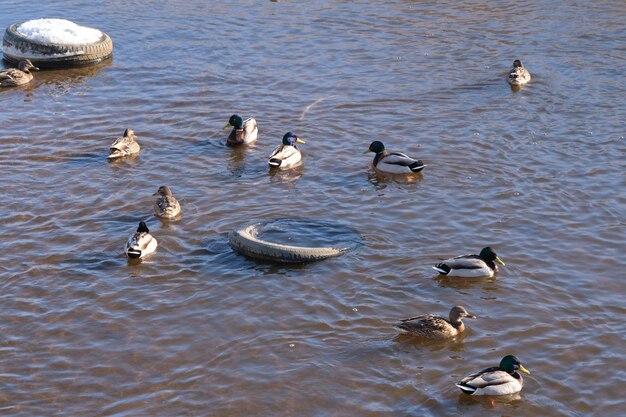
(245, 240)
(16, 47)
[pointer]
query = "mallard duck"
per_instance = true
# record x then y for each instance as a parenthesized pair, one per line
(166, 206)
(497, 380)
(244, 132)
(141, 243)
(469, 266)
(124, 146)
(393, 162)
(287, 154)
(17, 76)
(436, 327)
(518, 74)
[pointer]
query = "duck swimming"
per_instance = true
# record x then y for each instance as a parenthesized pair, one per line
(17, 76)
(287, 154)
(518, 75)
(469, 266)
(393, 162)
(497, 380)
(436, 327)
(124, 146)
(243, 133)
(166, 206)
(141, 243)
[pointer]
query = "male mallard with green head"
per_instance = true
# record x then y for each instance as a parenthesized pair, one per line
(243, 132)
(17, 76)
(287, 154)
(124, 146)
(166, 206)
(469, 266)
(518, 75)
(436, 327)
(141, 243)
(497, 380)
(393, 162)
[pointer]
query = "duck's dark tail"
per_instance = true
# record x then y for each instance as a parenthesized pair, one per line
(417, 166)
(466, 388)
(442, 269)
(275, 162)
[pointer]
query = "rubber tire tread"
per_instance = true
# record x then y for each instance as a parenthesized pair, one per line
(245, 241)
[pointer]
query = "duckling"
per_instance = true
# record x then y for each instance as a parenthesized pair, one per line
(436, 327)
(470, 266)
(394, 162)
(243, 133)
(497, 380)
(287, 154)
(166, 206)
(124, 146)
(17, 76)
(518, 75)
(141, 243)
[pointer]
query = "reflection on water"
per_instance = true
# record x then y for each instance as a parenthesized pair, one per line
(382, 180)
(286, 176)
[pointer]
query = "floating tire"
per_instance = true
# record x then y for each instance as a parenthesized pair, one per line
(16, 47)
(245, 240)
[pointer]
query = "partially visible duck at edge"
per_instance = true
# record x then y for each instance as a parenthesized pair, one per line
(166, 206)
(17, 76)
(469, 266)
(124, 146)
(518, 75)
(393, 162)
(287, 154)
(243, 132)
(436, 327)
(141, 243)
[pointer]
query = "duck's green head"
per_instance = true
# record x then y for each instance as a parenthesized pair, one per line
(290, 138)
(517, 64)
(143, 228)
(235, 121)
(489, 255)
(376, 147)
(511, 364)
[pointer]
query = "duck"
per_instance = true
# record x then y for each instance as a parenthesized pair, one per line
(166, 206)
(518, 75)
(496, 380)
(287, 154)
(244, 131)
(393, 162)
(17, 76)
(469, 266)
(436, 327)
(124, 146)
(141, 243)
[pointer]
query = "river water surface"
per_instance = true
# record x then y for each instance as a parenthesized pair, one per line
(198, 330)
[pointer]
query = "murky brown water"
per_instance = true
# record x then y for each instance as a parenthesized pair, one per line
(198, 330)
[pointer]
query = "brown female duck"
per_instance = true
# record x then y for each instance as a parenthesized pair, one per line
(17, 76)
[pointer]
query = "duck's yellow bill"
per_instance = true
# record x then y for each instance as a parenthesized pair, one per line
(367, 151)
(300, 140)
(227, 126)
(498, 260)
(526, 371)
